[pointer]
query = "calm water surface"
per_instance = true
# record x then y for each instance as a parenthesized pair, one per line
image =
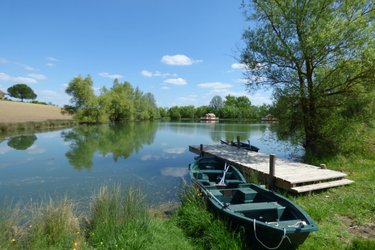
(153, 156)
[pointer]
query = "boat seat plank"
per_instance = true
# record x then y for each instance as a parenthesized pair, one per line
(212, 171)
(229, 181)
(215, 192)
(255, 206)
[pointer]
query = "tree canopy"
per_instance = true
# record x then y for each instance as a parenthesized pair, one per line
(21, 91)
(319, 57)
(120, 103)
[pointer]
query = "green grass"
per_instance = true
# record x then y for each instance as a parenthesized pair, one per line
(344, 213)
(116, 220)
(201, 227)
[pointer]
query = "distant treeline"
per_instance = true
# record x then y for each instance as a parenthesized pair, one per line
(239, 108)
(123, 102)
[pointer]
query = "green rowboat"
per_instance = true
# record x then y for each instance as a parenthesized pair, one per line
(270, 221)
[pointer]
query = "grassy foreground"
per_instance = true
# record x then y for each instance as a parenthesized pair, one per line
(116, 220)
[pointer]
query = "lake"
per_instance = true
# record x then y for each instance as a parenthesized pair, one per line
(152, 156)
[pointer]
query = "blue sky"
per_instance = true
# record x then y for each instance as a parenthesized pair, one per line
(182, 51)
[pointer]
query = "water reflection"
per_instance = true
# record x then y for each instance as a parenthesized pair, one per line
(117, 140)
(151, 156)
(22, 142)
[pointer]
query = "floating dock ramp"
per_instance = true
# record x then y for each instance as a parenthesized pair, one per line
(291, 176)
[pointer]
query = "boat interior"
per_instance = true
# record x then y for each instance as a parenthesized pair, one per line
(213, 177)
(243, 198)
(250, 203)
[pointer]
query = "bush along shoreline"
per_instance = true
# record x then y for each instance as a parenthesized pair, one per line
(32, 126)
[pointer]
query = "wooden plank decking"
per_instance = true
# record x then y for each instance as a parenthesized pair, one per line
(292, 176)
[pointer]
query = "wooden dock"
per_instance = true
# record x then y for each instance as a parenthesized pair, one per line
(292, 176)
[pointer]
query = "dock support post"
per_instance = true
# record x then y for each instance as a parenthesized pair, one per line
(271, 179)
(238, 141)
(201, 150)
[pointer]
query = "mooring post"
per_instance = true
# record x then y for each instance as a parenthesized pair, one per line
(272, 179)
(238, 141)
(201, 150)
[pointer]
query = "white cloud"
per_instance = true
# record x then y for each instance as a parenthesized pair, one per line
(215, 85)
(25, 66)
(54, 97)
(179, 60)
(241, 80)
(150, 74)
(147, 73)
(188, 99)
(111, 76)
(38, 77)
(3, 61)
(176, 81)
(16, 79)
(238, 66)
(52, 59)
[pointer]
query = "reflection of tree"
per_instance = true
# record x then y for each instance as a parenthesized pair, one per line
(119, 140)
(22, 142)
(229, 132)
(286, 133)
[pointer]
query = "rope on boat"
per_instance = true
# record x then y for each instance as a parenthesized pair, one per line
(301, 223)
(265, 246)
(226, 167)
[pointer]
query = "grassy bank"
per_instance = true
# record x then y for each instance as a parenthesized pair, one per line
(32, 126)
(345, 215)
(116, 220)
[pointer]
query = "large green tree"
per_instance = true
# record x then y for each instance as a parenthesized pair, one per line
(320, 54)
(21, 91)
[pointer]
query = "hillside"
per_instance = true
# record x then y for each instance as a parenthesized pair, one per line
(15, 112)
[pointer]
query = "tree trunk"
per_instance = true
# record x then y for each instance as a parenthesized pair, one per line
(311, 125)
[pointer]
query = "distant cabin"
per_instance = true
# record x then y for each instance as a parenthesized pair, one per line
(269, 117)
(210, 117)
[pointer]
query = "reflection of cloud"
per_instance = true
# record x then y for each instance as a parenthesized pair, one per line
(35, 150)
(178, 150)
(175, 172)
(4, 149)
(150, 157)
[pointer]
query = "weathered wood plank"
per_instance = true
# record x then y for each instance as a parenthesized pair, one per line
(287, 174)
(322, 185)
